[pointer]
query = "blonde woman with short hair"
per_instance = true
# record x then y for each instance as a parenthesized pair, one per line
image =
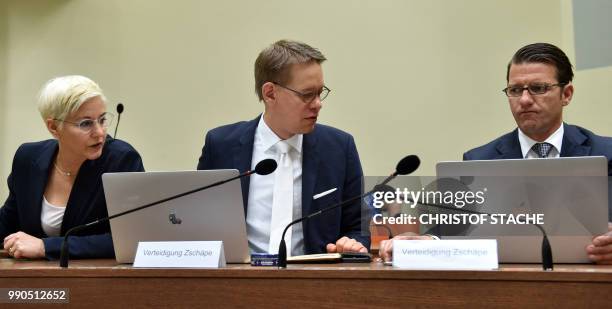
(56, 184)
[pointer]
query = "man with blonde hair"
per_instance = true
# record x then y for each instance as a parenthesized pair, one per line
(312, 158)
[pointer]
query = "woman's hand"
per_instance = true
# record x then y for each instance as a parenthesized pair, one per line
(22, 245)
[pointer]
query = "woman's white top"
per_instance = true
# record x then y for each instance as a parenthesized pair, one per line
(51, 218)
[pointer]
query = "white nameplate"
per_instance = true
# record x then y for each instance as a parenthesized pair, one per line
(480, 254)
(180, 254)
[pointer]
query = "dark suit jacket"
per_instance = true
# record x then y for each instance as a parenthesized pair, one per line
(27, 183)
(329, 160)
(577, 142)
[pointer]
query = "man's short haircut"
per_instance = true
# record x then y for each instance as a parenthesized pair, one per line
(544, 53)
(62, 96)
(273, 63)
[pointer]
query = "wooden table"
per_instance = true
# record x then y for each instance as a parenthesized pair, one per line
(105, 283)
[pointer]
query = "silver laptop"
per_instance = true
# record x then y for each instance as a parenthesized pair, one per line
(212, 214)
(571, 193)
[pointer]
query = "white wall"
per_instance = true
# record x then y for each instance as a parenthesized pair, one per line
(408, 77)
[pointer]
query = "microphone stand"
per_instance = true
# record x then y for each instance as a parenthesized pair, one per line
(282, 248)
(119, 112)
(405, 166)
(547, 257)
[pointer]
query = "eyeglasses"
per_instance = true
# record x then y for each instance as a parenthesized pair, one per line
(533, 89)
(309, 96)
(86, 125)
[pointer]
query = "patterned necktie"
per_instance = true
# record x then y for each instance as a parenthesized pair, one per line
(542, 149)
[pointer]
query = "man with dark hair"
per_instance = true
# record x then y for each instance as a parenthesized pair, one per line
(312, 159)
(539, 86)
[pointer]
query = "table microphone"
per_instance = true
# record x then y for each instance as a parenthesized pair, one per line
(264, 167)
(547, 257)
(119, 111)
(405, 166)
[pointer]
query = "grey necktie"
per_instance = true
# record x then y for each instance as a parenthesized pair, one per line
(542, 149)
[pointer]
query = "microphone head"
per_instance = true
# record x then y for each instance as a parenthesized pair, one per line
(119, 108)
(407, 165)
(265, 167)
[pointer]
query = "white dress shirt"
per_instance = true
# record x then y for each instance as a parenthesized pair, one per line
(555, 139)
(261, 188)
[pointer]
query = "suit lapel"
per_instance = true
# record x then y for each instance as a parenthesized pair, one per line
(310, 166)
(82, 196)
(41, 168)
(509, 147)
(243, 156)
(573, 143)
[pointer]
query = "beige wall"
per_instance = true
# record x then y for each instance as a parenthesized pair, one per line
(408, 77)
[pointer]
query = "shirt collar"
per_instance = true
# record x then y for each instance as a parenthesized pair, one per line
(555, 139)
(269, 138)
